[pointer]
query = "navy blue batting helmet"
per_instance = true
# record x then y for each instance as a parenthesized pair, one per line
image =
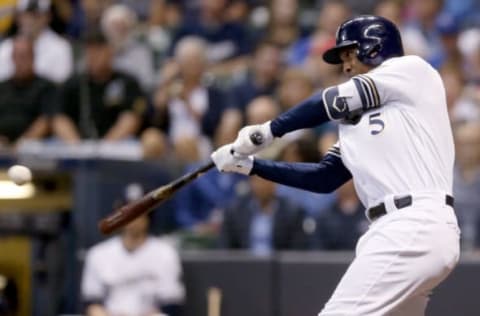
(376, 38)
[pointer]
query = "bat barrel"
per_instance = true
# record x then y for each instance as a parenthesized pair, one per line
(126, 214)
(129, 212)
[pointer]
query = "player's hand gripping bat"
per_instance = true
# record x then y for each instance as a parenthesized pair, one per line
(127, 213)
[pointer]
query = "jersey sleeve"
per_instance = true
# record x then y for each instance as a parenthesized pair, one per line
(395, 79)
(322, 177)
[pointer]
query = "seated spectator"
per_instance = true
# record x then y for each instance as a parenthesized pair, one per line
(307, 52)
(321, 74)
(226, 43)
(164, 17)
(100, 103)
(448, 29)
(469, 45)
(86, 15)
(138, 7)
(392, 10)
(200, 206)
(187, 107)
(130, 55)
(239, 10)
(262, 77)
(262, 222)
(420, 35)
(132, 274)
(466, 181)
(26, 99)
(331, 15)
(53, 54)
(461, 103)
(283, 27)
(296, 86)
(339, 227)
(259, 110)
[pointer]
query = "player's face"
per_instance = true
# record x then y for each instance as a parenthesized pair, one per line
(351, 66)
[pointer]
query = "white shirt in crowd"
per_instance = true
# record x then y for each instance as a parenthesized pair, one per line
(53, 57)
(132, 283)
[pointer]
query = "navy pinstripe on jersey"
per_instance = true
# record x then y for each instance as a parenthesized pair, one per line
(368, 92)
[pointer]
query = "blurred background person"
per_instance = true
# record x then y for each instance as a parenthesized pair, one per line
(100, 103)
(340, 226)
(462, 106)
(163, 19)
(332, 13)
(466, 183)
(226, 42)
(321, 74)
(261, 78)
(262, 222)
(130, 55)
(420, 35)
(392, 10)
(201, 205)
(26, 99)
(262, 109)
(283, 27)
(53, 54)
(188, 108)
(295, 85)
(132, 274)
(86, 16)
(199, 208)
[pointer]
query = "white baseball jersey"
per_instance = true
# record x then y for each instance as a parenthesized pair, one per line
(402, 144)
(396, 141)
(132, 283)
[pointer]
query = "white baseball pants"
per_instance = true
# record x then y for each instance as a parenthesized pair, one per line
(399, 260)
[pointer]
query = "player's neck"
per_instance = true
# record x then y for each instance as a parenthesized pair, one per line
(131, 242)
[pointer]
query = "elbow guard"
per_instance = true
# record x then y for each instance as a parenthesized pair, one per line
(349, 100)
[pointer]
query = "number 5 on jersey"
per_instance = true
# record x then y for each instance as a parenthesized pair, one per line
(376, 123)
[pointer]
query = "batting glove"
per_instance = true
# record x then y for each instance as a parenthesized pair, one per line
(243, 145)
(226, 161)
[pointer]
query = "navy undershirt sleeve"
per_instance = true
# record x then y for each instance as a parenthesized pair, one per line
(323, 177)
(306, 114)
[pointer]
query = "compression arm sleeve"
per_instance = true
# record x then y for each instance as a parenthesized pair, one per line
(323, 177)
(308, 113)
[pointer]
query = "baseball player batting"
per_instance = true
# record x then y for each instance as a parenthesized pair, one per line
(396, 143)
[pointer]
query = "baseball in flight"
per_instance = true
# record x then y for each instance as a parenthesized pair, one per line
(19, 174)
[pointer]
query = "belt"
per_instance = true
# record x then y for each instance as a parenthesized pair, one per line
(380, 210)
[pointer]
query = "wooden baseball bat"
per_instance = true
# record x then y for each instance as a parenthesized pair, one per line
(127, 213)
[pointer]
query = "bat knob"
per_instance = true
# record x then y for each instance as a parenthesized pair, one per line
(256, 138)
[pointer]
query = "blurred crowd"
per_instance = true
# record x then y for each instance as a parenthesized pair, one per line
(180, 78)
